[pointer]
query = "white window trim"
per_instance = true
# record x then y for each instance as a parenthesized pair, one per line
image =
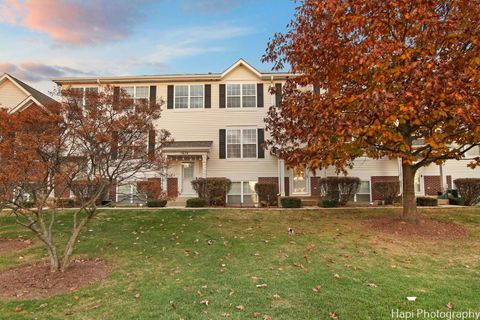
(241, 96)
(241, 143)
(135, 91)
(84, 93)
(363, 193)
(188, 97)
(242, 193)
(131, 197)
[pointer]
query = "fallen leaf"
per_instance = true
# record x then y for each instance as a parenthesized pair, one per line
(336, 275)
(316, 288)
(256, 314)
(231, 292)
(240, 307)
(43, 305)
(199, 293)
(226, 315)
(205, 302)
(263, 285)
(76, 298)
(186, 253)
(137, 295)
(333, 315)
(18, 309)
(450, 305)
(276, 296)
(372, 285)
(174, 306)
(266, 317)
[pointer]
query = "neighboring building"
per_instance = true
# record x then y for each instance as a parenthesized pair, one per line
(16, 95)
(217, 121)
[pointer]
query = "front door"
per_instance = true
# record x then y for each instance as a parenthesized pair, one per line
(300, 181)
(188, 171)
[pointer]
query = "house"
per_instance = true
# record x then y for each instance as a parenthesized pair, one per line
(217, 121)
(16, 95)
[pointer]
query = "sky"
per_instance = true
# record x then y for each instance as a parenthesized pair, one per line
(44, 39)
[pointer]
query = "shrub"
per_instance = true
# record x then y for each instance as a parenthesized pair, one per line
(27, 204)
(329, 203)
(84, 190)
(149, 189)
(267, 193)
(291, 202)
(469, 190)
(456, 201)
(453, 193)
(65, 202)
(196, 203)
(156, 203)
(213, 190)
(340, 189)
(387, 190)
(427, 202)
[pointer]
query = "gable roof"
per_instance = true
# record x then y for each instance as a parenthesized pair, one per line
(172, 77)
(38, 96)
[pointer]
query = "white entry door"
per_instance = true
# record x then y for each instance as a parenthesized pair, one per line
(188, 172)
(300, 181)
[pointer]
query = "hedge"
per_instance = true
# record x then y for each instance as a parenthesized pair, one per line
(427, 202)
(388, 190)
(196, 203)
(156, 203)
(213, 190)
(456, 201)
(65, 202)
(267, 193)
(340, 189)
(469, 190)
(291, 202)
(328, 203)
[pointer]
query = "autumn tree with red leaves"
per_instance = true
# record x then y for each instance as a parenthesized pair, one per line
(392, 78)
(83, 146)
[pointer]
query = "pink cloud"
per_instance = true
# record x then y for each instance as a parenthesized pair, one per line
(74, 22)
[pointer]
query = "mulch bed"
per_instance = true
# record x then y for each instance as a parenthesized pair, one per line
(427, 229)
(11, 245)
(36, 281)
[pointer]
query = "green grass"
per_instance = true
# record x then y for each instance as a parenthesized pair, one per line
(147, 250)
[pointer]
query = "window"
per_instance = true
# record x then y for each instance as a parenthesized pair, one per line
(127, 193)
(189, 97)
(84, 94)
(363, 194)
(241, 143)
(242, 95)
(242, 192)
(137, 93)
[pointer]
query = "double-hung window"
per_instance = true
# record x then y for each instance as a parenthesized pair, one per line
(363, 194)
(241, 143)
(83, 94)
(242, 95)
(137, 93)
(189, 97)
(242, 192)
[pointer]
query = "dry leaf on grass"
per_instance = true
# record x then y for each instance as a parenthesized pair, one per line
(372, 285)
(205, 302)
(333, 315)
(316, 288)
(240, 307)
(256, 314)
(263, 285)
(450, 305)
(336, 275)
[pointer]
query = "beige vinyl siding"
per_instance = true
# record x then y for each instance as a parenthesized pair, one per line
(10, 95)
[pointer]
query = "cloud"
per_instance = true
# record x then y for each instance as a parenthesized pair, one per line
(211, 6)
(35, 72)
(75, 22)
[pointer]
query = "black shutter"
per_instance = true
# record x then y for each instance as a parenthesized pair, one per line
(222, 96)
(114, 150)
(278, 94)
(116, 97)
(261, 141)
(208, 96)
(259, 95)
(316, 90)
(170, 97)
(151, 143)
(153, 95)
(222, 144)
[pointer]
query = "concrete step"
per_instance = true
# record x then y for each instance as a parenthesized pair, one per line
(443, 202)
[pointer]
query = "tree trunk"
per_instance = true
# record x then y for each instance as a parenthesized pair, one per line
(67, 255)
(410, 212)
(53, 255)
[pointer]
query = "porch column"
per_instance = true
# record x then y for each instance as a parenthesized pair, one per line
(204, 165)
(442, 179)
(400, 174)
(281, 177)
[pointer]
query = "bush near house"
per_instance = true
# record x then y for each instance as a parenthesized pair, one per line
(388, 190)
(340, 189)
(469, 190)
(291, 202)
(328, 203)
(65, 202)
(196, 203)
(156, 203)
(427, 202)
(267, 194)
(213, 190)
(456, 201)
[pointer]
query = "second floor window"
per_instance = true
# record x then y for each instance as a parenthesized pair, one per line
(189, 97)
(84, 94)
(242, 95)
(241, 143)
(138, 93)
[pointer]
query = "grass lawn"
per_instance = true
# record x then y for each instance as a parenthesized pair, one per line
(163, 258)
